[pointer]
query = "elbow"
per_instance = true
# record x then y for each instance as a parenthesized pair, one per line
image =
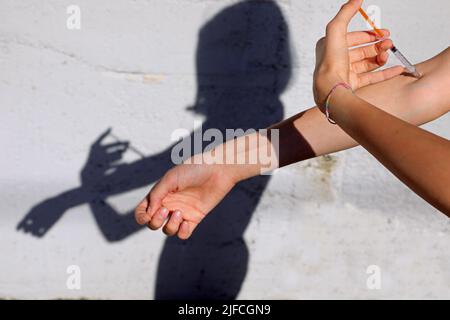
(446, 210)
(444, 204)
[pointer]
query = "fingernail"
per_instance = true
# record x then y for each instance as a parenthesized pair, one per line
(143, 218)
(177, 214)
(163, 212)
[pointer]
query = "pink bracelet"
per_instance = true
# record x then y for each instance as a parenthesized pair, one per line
(327, 103)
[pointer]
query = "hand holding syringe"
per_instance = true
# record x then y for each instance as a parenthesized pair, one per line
(408, 65)
(130, 147)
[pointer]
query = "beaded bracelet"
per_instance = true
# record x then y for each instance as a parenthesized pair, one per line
(327, 103)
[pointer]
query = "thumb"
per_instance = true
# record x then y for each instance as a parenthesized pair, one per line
(345, 15)
(153, 201)
(168, 183)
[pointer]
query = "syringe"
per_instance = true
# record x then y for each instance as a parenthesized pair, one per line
(408, 65)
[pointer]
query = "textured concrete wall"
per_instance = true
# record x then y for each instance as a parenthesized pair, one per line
(310, 231)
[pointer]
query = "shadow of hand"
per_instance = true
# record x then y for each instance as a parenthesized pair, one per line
(103, 160)
(42, 217)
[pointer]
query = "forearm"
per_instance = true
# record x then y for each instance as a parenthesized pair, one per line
(113, 225)
(418, 158)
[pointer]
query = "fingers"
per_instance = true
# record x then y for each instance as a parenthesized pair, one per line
(172, 226)
(102, 136)
(186, 229)
(175, 224)
(114, 151)
(361, 53)
(358, 38)
(379, 76)
(116, 146)
(158, 218)
(370, 64)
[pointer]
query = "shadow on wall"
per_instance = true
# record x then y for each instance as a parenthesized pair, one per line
(243, 66)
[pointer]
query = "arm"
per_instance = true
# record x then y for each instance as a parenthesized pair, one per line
(196, 189)
(418, 158)
(302, 137)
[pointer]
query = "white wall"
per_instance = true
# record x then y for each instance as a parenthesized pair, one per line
(131, 67)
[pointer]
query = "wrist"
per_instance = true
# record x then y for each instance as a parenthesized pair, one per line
(223, 159)
(247, 156)
(324, 83)
(340, 93)
(237, 173)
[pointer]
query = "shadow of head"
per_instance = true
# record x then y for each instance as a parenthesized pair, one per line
(243, 61)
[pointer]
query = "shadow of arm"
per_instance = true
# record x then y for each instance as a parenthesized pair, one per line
(113, 225)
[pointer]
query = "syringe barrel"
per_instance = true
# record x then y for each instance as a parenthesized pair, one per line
(408, 65)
